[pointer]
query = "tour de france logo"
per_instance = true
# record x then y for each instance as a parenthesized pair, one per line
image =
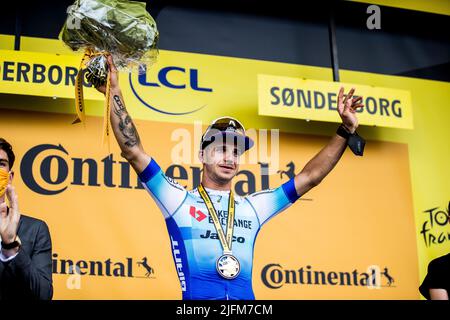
(435, 229)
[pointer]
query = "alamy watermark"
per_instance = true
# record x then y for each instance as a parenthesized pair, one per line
(266, 146)
(374, 20)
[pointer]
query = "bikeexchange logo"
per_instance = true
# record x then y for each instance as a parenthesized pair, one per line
(170, 80)
(274, 276)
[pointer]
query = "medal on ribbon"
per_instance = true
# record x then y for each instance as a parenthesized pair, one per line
(227, 265)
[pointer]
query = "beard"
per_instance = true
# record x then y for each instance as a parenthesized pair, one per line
(215, 174)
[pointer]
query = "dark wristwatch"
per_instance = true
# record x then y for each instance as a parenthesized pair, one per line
(9, 246)
(354, 141)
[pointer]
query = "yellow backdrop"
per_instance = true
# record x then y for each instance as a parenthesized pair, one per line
(353, 221)
(417, 158)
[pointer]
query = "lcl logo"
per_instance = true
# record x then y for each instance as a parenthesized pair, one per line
(190, 79)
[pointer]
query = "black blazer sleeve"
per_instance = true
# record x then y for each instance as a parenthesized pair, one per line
(35, 274)
(438, 276)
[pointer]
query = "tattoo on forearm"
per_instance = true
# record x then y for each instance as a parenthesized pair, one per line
(126, 125)
(119, 103)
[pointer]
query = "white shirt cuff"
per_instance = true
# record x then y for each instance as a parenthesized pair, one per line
(5, 259)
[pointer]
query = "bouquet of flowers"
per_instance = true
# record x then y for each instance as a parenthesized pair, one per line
(121, 28)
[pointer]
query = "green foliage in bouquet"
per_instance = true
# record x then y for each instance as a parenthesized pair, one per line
(123, 28)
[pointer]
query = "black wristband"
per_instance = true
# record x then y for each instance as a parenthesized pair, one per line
(354, 141)
(9, 246)
(343, 132)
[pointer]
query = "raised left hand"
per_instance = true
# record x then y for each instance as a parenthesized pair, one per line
(9, 222)
(347, 109)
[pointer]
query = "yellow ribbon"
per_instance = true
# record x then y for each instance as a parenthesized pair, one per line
(4, 180)
(225, 240)
(79, 97)
(106, 119)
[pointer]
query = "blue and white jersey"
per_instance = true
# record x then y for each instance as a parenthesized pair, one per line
(194, 239)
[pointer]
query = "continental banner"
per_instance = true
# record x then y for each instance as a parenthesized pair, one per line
(317, 100)
(352, 237)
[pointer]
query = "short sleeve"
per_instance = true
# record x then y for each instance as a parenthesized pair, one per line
(435, 278)
(268, 203)
(167, 193)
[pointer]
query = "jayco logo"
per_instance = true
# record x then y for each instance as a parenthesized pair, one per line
(174, 78)
(436, 228)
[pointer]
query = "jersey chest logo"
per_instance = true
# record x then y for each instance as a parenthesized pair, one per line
(196, 214)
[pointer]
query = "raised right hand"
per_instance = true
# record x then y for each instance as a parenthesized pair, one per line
(114, 77)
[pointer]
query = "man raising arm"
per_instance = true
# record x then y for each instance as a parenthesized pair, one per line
(210, 263)
(123, 127)
(319, 166)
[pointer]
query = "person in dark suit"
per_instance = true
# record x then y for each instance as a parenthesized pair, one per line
(436, 285)
(26, 249)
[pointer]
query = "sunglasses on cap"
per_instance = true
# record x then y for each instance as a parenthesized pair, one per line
(225, 123)
(226, 126)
